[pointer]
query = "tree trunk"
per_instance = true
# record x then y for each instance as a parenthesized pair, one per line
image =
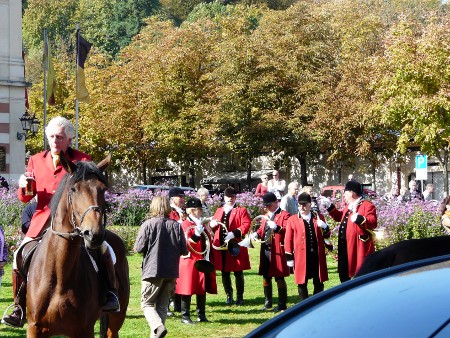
(144, 172)
(443, 162)
(303, 174)
(249, 175)
(445, 171)
(192, 174)
(374, 184)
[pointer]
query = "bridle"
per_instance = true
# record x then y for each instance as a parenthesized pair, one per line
(77, 231)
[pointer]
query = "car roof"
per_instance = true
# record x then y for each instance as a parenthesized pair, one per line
(403, 301)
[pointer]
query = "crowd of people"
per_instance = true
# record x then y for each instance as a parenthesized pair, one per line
(184, 243)
(293, 237)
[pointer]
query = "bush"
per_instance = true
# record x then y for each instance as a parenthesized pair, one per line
(11, 210)
(399, 221)
(126, 213)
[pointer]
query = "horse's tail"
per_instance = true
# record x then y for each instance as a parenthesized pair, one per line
(104, 322)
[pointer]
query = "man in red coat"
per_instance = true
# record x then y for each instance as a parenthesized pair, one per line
(237, 224)
(358, 219)
(177, 203)
(191, 281)
(272, 259)
(305, 247)
(48, 173)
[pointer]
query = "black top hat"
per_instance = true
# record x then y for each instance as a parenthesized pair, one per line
(193, 202)
(354, 186)
(269, 198)
(229, 192)
(173, 192)
(303, 198)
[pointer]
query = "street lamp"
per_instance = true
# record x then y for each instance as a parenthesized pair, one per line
(29, 124)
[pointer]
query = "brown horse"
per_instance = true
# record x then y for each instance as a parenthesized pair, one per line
(63, 290)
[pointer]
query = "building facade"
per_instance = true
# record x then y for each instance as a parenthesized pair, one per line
(12, 90)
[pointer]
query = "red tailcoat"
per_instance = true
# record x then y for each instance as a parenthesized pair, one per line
(260, 190)
(357, 250)
(295, 244)
(278, 266)
(47, 180)
(174, 215)
(239, 219)
(191, 281)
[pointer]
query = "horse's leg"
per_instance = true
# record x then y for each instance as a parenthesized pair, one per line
(33, 331)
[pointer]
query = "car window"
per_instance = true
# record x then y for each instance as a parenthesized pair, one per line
(338, 194)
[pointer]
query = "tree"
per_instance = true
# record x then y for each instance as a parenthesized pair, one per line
(413, 93)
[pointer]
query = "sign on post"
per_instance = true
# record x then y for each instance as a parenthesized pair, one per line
(421, 167)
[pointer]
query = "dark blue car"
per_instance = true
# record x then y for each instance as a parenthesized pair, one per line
(409, 300)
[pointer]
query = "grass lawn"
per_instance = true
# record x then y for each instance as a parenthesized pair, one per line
(226, 321)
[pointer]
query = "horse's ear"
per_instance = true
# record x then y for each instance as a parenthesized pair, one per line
(67, 164)
(104, 163)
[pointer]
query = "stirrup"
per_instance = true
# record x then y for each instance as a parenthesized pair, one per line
(19, 308)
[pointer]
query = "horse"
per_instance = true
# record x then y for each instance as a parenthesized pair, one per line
(408, 250)
(64, 287)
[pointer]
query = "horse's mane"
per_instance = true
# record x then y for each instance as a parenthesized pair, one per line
(444, 203)
(85, 170)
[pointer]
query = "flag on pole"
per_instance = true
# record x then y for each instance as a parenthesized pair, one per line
(83, 48)
(51, 80)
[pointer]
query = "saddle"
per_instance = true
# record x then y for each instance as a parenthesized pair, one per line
(24, 255)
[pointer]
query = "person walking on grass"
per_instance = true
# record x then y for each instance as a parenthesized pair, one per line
(162, 242)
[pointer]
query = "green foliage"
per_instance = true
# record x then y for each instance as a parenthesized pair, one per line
(128, 233)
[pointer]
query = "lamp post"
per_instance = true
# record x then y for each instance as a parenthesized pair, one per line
(29, 124)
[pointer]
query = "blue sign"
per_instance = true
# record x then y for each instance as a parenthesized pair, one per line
(421, 161)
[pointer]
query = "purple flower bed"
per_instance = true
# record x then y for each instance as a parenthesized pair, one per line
(127, 211)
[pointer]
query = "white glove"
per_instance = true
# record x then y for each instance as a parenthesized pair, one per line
(326, 202)
(213, 224)
(272, 224)
(353, 217)
(290, 264)
(229, 236)
(199, 229)
(22, 181)
(322, 224)
(254, 236)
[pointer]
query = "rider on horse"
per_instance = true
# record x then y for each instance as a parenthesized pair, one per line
(48, 173)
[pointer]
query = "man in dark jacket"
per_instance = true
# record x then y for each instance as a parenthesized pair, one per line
(161, 240)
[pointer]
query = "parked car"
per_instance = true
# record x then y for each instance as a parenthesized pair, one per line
(408, 300)
(159, 187)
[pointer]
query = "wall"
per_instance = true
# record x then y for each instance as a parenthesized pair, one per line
(12, 87)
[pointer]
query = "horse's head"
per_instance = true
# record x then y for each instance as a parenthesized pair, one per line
(84, 189)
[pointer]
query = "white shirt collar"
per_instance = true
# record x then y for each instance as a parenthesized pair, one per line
(354, 203)
(307, 218)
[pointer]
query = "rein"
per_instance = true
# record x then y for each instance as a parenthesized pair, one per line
(76, 232)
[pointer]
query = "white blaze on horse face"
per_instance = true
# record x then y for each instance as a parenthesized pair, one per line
(57, 139)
